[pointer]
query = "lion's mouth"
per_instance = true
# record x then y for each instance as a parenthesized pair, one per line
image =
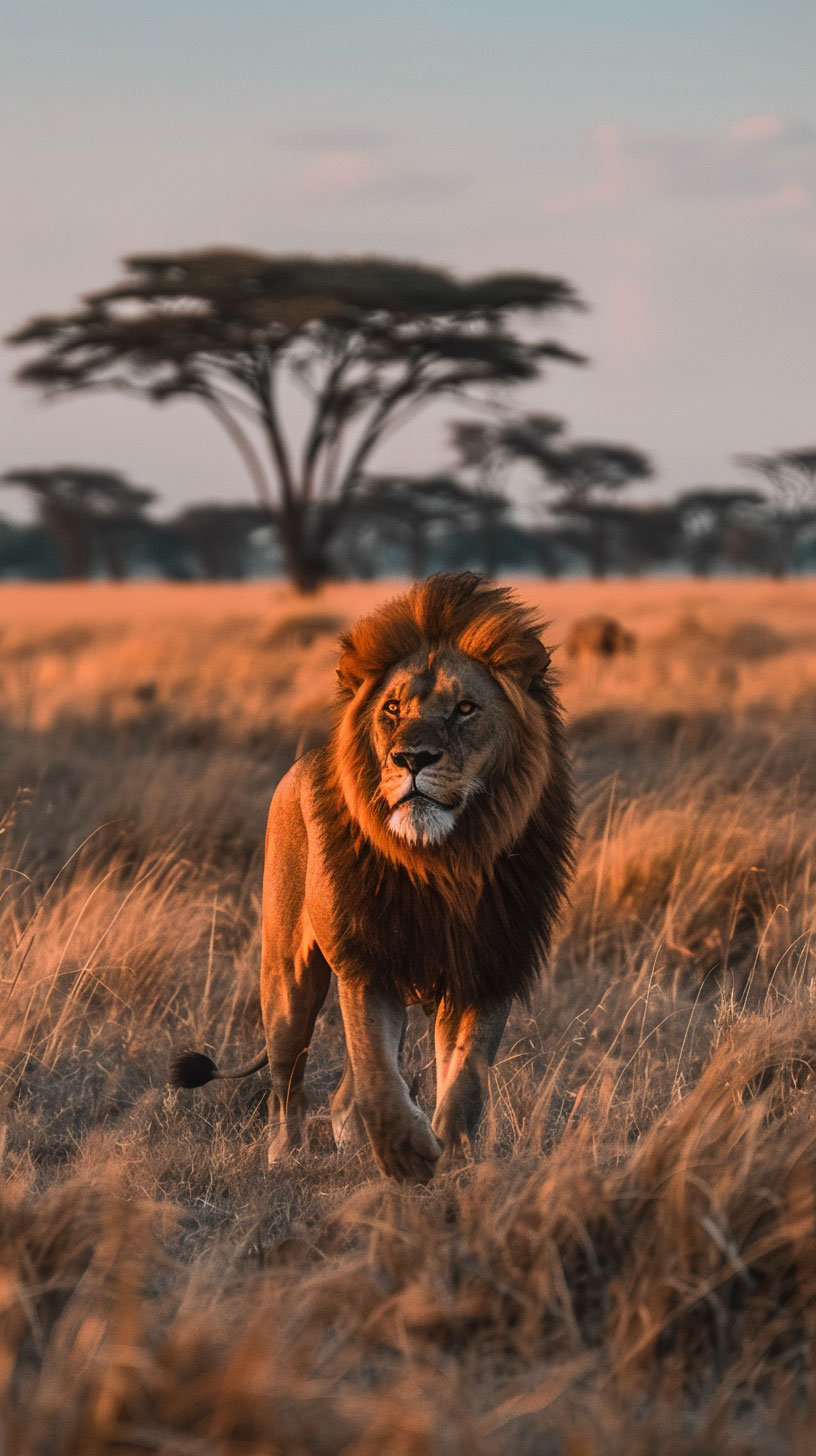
(420, 819)
(415, 793)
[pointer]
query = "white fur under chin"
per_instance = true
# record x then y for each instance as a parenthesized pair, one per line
(420, 821)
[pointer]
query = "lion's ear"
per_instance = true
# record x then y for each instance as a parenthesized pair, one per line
(349, 672)
(539, 668)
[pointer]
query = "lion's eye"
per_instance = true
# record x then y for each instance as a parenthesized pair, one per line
(465, 708)
(391, 708)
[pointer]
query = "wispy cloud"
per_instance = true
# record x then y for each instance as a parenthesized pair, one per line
(406, 184)
(375, 178)
(763, 128)
(336, 138)
(337, 172)
(791, 197)
(772, 129)
(610, 182)
(765, 162)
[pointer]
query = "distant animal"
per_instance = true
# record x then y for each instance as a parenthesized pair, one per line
(598, 636)
(420, 856)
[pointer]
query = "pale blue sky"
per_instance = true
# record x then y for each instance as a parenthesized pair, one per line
(662, 157)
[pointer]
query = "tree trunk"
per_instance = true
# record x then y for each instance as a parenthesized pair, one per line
(112, 547)
(303, 549)
(546, 554)
(489, 525)
(418, 549)
(70, 535)
(598, 559)
(786, 538)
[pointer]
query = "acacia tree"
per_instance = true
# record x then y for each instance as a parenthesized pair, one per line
(482, 455)
(709, 516)
(537, 438)
(91, 515)
(585, 473)
(219, 536)
(367, 341)
(588, 473)
(485, 450)
(635, 537)
(791, 475)
(405, 509)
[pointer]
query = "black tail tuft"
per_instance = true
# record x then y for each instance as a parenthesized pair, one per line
(192, 1069)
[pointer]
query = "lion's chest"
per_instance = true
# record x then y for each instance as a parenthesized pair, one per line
(414, 941)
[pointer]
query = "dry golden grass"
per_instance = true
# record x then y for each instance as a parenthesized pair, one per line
(630, 1267)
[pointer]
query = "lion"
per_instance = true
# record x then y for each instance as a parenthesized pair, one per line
(421, 855)
(598, 636)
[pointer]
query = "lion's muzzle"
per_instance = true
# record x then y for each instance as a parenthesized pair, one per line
(417, 761)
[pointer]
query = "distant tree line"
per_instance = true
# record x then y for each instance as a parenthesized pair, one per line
(309, 364)
(94, 523)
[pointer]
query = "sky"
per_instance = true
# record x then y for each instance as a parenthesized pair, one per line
(661, 157)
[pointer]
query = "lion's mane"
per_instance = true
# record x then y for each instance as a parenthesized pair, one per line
(469, 919)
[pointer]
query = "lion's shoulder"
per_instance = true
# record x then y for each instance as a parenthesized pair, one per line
(294, 801)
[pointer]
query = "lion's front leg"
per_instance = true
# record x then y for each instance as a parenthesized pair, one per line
(466, 1043)
(402, 1141)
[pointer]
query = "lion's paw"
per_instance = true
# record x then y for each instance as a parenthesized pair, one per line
(284, 1144)
(457, 1154)
(349, 1130)
(408, 1151)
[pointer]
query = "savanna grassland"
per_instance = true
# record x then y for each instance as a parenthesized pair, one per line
(630, 1267)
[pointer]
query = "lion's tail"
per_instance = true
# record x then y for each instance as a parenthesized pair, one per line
(193, 1069)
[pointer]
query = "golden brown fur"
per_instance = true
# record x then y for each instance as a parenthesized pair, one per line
(491, 908)
(421, 855)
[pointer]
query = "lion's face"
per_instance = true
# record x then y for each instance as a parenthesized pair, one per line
(438, 725)
(447, 743)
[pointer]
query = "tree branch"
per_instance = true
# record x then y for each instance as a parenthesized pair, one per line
(245, 447)
(376, 425)
(274, 433)
(234, 401)
(321, 429)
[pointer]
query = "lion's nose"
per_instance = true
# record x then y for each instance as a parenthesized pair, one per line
(415, 761)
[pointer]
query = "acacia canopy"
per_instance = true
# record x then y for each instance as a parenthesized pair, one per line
(369, 341)
(88, 512)
(791, 475)
(583, 467)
